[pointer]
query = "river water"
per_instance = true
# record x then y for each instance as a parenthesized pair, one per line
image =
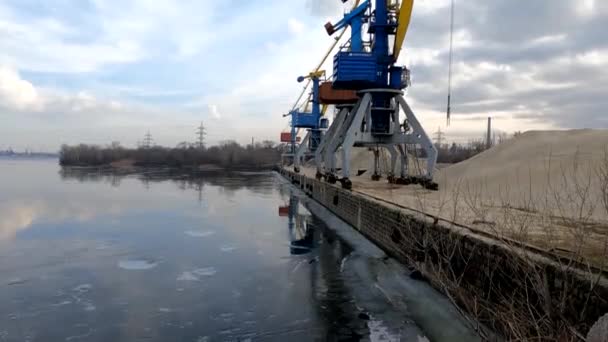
(87, 255)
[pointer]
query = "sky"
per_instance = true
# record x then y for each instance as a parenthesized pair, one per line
(97, 71)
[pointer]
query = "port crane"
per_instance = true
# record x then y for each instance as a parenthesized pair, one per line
(371, 87)
(292, 138)
(311, 120)
(369, 68)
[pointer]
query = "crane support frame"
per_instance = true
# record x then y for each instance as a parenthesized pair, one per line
(374, 121)
(353, 128)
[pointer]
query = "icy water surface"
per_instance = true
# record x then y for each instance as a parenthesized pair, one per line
(165, 256)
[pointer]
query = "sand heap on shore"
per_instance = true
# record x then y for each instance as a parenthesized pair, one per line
(564, 172)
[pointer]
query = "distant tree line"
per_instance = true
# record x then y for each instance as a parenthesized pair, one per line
(227, 154)
(456, 153)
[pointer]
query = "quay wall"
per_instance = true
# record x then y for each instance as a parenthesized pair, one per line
(504, 287)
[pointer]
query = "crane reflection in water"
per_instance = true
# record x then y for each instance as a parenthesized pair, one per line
(301, 232)
(342, 319)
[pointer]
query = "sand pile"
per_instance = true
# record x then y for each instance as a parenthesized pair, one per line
(555, 172)
(545, 188)
(559, 171)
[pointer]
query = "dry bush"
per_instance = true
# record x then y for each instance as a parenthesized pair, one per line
(547, 254)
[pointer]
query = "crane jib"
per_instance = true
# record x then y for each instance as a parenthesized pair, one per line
(405, 15)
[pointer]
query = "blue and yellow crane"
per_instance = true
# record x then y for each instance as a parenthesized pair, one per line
(312, 121)
(370, 87)
(369, 68)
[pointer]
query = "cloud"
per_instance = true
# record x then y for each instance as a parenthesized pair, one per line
(55, 52)
(16, 93)
(21, 96)
(295, 26)
(107, 70)
(214, 112)
(59, 117)
(323, 8)
(547, 70)
(90, 36)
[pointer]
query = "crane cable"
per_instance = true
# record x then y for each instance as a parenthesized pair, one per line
(449, 107)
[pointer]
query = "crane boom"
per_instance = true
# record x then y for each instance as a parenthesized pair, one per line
(331, 48)
(405, 15)
(354, 19)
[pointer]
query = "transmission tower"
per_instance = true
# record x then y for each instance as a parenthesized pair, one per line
(147, 143)
(439, 137)
(200, 133)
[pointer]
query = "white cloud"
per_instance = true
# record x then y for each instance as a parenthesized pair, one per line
(256, 101)
(131, 31)
(21, 96)
(586, 7)
(323, 8)
(550, 39)
(16, 93)
(593, 58)
(54, 52)
(83, 101)
(295, 26)
(117, 32)
(214, 112)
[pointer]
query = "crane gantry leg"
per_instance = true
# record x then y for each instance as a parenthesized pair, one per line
(419, 137)
(299, 155)
(393, 151)
(354, 129)
(322, 156)
(346, 138)
(334, 142)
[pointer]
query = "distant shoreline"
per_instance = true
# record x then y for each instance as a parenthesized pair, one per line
(29, 156)
(130, 165)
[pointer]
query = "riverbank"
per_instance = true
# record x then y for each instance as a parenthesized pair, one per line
(510, 288)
